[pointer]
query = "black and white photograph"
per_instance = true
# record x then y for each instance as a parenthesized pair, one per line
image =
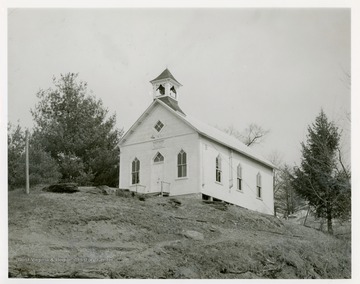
(178, 142)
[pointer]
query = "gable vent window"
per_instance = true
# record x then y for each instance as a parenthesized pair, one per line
(181, 163)
(218, 168)
(258, 185)
(135, 171)
(158, 126)
(158, 158)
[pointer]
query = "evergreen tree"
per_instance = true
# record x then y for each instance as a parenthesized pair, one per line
(75, 129)
(16, 148)
(42, 167)
(319, 179)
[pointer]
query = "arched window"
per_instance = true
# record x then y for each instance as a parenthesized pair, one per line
(218, 168)
(239, 177)
(181, 164)
(258, 185)
(135, 171)
(158, 158)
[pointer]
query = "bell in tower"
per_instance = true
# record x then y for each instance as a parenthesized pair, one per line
(165, 85)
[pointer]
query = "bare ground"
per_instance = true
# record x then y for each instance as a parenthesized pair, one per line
(89, 235)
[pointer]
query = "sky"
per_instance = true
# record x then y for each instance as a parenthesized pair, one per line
(274, 67)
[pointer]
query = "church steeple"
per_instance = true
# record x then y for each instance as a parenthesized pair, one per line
(165, 85)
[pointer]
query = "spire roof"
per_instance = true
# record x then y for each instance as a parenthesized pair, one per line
(165, 75)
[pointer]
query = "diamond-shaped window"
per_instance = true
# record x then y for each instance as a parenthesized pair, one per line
(158, 126)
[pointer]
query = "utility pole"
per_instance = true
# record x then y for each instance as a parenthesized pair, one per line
(307, 213)
(27, 161)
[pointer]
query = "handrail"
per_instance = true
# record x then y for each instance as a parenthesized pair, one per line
(162, 188)
(140, 185)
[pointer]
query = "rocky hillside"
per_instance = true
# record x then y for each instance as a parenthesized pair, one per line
(90, 234)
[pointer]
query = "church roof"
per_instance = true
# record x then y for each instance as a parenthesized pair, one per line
(203, 129)
(165, 75)
(171, 103)
(224, 139)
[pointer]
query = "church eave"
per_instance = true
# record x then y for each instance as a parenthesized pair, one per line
(166, 74)
(265, 163)
(136, 123)
(164, 80)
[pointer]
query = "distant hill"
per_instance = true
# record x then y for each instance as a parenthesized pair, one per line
(90, 234)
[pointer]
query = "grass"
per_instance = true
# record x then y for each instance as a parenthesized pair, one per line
(124, 236)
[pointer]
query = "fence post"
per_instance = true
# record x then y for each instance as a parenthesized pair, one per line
(307, 213)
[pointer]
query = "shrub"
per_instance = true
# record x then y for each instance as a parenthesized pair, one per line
(42, 167)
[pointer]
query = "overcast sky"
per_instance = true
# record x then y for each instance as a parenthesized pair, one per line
(273, 67)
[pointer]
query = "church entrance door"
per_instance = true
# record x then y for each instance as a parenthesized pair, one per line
(157, 176)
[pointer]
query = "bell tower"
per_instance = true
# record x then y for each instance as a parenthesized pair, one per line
(165, 85)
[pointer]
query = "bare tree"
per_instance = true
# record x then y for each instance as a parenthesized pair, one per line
(346, 79)
(253, 134)
(286, 200)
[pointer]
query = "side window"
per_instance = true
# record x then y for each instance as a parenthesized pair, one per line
(218, 168)
(258, 185)
(239, 177)
(135, 171)
(181, 164)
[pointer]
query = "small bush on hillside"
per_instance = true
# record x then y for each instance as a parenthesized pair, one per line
(62, 188)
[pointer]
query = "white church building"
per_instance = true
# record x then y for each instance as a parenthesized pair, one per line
(172, 153)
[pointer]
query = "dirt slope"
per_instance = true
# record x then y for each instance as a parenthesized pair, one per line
(87, 235)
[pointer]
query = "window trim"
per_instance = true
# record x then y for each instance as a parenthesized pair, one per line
(183, 165)
(135, 172)
(156, 155)
(239, 185)
(218, 170)
(258, 186)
